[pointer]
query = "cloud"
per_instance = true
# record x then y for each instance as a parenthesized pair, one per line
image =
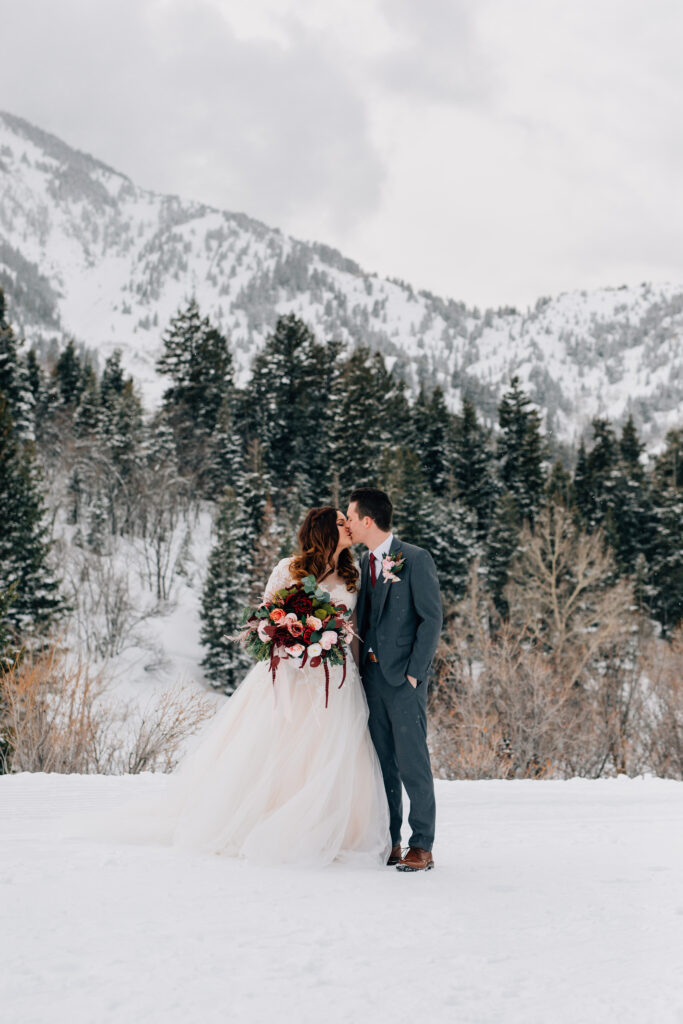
(166, 92)
(441, 57)
(489, 150)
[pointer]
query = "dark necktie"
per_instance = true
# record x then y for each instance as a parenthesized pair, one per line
(373, 574)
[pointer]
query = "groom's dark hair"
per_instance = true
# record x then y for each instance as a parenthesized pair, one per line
(372, 502)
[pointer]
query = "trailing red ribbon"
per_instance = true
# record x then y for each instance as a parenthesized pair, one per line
(274, 662)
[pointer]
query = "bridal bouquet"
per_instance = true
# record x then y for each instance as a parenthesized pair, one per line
(302, 625)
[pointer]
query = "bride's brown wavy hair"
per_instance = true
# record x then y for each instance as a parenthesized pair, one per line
(318, 539)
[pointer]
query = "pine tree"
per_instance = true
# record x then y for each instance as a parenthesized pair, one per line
(666, 558)
(502, 544)
(521, 451)
(631, 448)
(225, 595)
(98, 521)
(432, 424)
(450, 536)
(113, 379)
(24, 543)
(123, 430)
(473, 467)
(89, 412)
(668, 470)
(603, 456)
(15, 384)
(612, 492)
(402, 477)
(36, 379)
(291, 408)
(9, 651)
(197, 359)
(559, 487)
(252, 489)
(583, 491)
(225, 455)
(372, 416)
(628, 518)
(68, 375)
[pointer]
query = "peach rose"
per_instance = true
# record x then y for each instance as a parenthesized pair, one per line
(295, 650)
(313, 622)
(277, 615)
(328, 639)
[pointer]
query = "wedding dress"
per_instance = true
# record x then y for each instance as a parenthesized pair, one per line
(277, 777)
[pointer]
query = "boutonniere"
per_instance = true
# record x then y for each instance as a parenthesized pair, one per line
(391, 564)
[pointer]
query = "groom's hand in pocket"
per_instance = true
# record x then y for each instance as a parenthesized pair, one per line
(413, 681)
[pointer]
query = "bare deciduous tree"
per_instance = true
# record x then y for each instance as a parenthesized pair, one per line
(56, 717)
(557, 688)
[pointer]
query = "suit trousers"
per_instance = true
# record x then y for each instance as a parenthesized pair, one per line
(398, 727)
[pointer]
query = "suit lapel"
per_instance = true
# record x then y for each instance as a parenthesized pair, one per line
(384, 586)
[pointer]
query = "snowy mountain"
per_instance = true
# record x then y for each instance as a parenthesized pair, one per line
(86, 253)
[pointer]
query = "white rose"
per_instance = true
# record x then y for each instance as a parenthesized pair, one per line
(314, 650)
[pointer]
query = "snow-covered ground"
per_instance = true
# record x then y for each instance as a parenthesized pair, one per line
(551, 902)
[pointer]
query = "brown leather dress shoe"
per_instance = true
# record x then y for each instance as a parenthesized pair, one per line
(394, 856)
(416, 860)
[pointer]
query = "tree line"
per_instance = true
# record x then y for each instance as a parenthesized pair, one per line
(312, 421)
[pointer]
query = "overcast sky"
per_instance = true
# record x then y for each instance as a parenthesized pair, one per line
(490, 150)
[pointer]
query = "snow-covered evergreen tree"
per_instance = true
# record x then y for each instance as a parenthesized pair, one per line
(88, 417)
(668, 469)
(666, 558)
(501, 546)
(290, 399)
(432, 427)
(24, 541)
(225, 454)
(401, 475)
(473, 467)
(521, 450)
(68, 375)
(372, 416)
(631, 448)
(451, 539)
(198, 362)
(15, 383)
(226, 594)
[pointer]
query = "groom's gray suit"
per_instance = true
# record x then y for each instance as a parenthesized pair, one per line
(400, 623)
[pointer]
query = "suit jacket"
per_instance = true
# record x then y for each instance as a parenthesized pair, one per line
(409, 616)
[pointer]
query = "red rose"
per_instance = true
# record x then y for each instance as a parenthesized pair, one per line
(308, 633)
(299, 603)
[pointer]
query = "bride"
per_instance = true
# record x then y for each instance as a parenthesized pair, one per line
(277, 777)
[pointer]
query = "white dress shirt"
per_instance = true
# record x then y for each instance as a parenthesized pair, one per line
(381, 552)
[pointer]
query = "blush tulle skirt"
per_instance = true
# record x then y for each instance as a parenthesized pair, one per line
(275, 778)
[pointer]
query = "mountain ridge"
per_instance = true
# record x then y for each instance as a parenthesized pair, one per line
(86, 253)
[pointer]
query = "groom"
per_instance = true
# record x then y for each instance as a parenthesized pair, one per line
(399, 621)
